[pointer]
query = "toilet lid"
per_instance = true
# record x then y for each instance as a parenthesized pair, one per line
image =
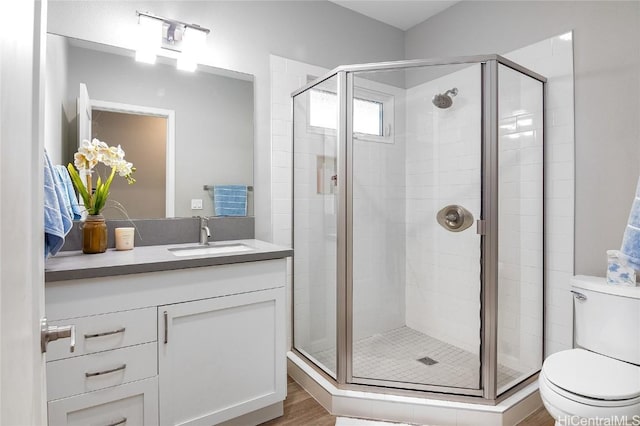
(592, 375)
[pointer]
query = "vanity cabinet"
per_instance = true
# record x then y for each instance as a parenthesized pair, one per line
(203, 345)
(220, 358)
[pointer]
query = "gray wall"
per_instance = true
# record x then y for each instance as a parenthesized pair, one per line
(607, 93)
(56, 107)
(243, 35)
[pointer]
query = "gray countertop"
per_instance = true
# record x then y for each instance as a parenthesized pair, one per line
(73, 265)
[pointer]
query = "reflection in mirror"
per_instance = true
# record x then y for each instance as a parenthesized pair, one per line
(181, 130)
(144, 139)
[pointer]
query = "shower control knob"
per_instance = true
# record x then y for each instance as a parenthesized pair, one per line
(454, 218)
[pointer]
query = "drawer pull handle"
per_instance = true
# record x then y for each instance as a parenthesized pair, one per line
(117, 422)
(111, 370)
(104, 333)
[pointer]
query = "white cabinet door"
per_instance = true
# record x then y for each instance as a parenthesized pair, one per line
(220, 358)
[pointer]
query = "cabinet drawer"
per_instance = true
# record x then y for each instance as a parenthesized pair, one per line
(73, 376)
(133, 404)
(99, 333)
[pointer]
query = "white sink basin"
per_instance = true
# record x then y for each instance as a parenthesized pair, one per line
(209, 250)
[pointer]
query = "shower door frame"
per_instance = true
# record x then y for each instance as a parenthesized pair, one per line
(487, 228)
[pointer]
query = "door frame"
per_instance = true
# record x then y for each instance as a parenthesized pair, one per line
(22, 82)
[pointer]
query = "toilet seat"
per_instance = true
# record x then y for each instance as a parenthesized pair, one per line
(592, 379)
(600, 403)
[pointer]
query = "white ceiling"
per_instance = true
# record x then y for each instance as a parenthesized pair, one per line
(399, 13)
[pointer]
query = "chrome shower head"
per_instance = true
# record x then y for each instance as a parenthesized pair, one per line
(444, 100)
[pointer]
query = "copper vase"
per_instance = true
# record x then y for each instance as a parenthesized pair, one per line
(94, 235)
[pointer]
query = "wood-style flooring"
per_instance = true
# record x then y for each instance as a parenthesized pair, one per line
(539, 418)
(300, 409)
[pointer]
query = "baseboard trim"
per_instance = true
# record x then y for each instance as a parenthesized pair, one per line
(257, 417)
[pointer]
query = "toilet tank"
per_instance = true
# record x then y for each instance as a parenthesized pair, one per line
(607, 318)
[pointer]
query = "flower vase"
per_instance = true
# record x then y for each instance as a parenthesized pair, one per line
(94, 235)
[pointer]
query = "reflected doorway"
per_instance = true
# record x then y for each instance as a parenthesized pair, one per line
(144, 140)
(147, 136)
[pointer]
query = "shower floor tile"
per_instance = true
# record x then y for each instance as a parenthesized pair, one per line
(396, 356)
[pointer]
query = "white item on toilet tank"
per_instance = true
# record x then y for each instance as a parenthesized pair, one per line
(607, 319)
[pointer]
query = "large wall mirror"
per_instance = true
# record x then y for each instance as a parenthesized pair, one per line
(181, 130)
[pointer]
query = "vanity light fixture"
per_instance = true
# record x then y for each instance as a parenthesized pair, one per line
(157, 32)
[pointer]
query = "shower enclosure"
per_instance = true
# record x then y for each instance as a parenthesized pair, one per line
(418, 225)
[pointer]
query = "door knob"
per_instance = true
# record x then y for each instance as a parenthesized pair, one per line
(50, 333)
(454, 218)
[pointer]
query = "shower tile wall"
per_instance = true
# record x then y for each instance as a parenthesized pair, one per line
(443, 167)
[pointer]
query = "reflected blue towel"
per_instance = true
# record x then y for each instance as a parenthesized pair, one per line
(230, 200)
(69, 195)
(57, 221)
(631, 240)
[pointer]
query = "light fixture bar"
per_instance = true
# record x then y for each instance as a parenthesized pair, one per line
(173, 21)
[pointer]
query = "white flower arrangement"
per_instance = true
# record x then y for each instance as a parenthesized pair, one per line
(88, 156)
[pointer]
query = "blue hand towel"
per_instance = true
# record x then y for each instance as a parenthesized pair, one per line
(230, 200)
(57, 221)
(69, 195)
(631, 240)
(619, 272)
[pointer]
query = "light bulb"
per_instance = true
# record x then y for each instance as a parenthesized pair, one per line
(192, 43)
(149, 39)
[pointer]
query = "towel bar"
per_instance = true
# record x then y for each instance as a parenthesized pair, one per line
(208, 187)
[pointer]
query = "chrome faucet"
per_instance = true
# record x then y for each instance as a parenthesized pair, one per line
(204, 231)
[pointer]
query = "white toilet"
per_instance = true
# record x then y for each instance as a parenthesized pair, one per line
(600, 378)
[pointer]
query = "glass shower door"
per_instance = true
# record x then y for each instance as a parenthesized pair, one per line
(416, 255)
(315, 116)
(521, 225)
